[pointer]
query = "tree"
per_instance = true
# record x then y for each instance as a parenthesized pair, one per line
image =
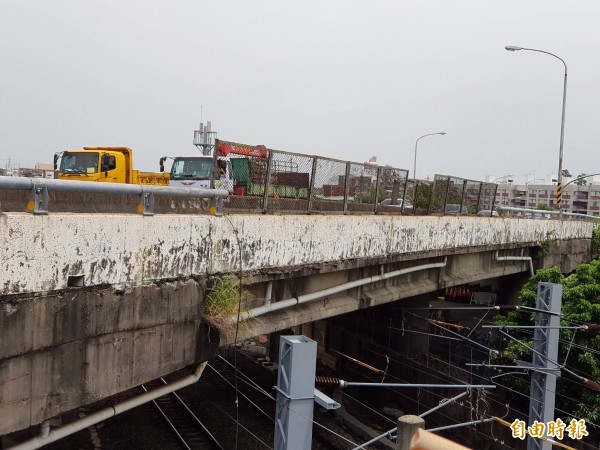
(423, 196)
(596, 240)
(583, 181)
(566, 173)
(580, 304)
(544, 207)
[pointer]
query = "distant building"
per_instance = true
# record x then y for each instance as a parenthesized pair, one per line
(41, 170)
(576, 199)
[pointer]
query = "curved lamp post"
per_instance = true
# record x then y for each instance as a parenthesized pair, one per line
(499, 178)
(416, 145)
(512, 48)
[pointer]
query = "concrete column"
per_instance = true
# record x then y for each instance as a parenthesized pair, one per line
(407, 427)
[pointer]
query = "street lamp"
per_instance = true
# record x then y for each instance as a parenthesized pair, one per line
(416, 144)
(512, 48)
(505, 176)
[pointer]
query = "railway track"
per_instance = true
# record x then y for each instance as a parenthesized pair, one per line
(190, 431)
(236, 402)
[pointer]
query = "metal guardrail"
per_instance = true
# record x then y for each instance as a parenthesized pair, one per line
(39, 187)
(540, 214)
(265, 180)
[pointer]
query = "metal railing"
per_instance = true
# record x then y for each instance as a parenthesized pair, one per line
(541, 214)
(273, 180)
(257, 179)
(38, 188)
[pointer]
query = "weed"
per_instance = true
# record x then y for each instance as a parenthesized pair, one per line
(222, 303)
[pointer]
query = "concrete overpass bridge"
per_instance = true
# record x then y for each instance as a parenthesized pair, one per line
(94, 304)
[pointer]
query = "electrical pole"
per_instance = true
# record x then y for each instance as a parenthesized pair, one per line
(295, 393)
(545, 351)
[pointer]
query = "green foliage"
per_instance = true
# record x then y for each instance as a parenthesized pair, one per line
(566, 173)
(445, 192)
(547, 244)
(596, 239)
(222, 303)
(423, 196)
(222, 298)
(580, 303)
(368, 195)
(583, 181)
(544, 207)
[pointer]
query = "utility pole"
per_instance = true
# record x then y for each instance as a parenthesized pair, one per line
(545, 355)
(295, 393)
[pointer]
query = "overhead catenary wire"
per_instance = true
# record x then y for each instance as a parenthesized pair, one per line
(521, 393)
(503, 405)
(390, 432)
(505, 387)
(429, 391)
(509, 389)
(262, 391)
(491, 438)
(581, 347)
(236, 421)
(588, 382)
(473, 374)
(237, 322)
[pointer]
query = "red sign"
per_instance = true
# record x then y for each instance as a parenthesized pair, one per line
(225, 148)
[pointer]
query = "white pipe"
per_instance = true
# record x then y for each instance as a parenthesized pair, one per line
(260, 310)
(269, 293)
(45, 428)
(106, 413)
(517, 258)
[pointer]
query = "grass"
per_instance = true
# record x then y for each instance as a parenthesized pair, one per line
(222, 303)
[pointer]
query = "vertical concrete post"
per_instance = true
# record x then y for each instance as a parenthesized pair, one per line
(267, 181)
(313, 174)
(295, 393)
(346, 187)
(377, 181)
(407, 427)
(404, 193)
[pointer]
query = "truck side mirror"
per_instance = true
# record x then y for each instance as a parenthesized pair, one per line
(55, 161)
(162, 163)
(105, 166)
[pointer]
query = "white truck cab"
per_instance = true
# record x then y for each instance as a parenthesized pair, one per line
(196, 172)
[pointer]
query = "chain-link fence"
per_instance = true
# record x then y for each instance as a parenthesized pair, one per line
(487, 197)
(362, 187)
(391, 191)
(419, 193)
(459, 196)
(261, 179)
(271, 180)
(329, 186)
(289, 181)
(242, 170)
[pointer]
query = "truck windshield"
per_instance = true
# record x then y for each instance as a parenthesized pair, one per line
(192, 169)
(79, 162)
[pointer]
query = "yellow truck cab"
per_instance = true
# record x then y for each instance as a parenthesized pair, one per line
(104, 164)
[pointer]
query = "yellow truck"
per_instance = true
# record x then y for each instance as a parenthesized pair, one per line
(104, 164)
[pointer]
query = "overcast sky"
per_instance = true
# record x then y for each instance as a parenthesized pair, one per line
(341, 78)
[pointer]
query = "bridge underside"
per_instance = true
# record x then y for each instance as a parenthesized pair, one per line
(70, 347)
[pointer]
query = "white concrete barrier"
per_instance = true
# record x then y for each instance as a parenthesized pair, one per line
(44, 253)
